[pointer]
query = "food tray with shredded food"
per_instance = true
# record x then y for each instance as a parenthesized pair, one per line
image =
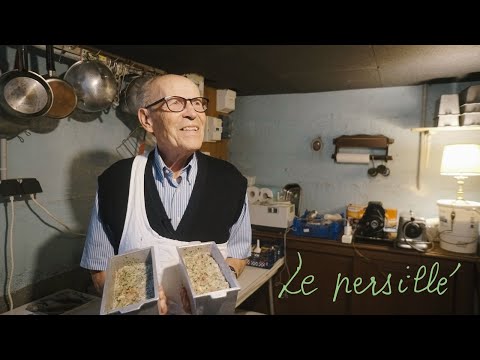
(130, 284)
(211, 286)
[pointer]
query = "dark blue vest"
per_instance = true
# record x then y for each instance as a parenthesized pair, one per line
(215, 204)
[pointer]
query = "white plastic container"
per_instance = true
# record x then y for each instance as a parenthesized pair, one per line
(146, 306)
(470, 95)
(472, 118)
(347, 234)
(448, 120)
(213, 129)
(221, 302)
(274, 214)
(470, 107)
(458, 225)
(449, 104)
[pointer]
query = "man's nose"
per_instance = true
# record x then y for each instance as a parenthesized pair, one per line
(190, 111)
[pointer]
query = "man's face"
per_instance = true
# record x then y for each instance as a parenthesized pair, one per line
(176, 132)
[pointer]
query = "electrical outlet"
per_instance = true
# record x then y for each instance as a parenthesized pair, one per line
(19, 188)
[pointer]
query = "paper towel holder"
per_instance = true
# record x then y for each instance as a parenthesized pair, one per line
(364, 141)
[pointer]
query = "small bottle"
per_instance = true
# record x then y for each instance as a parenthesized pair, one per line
(257, 249)
(347, 233)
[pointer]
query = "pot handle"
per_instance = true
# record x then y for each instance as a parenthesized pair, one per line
(22, 58)
(50, 61)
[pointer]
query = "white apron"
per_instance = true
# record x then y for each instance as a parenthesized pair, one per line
(137, 234)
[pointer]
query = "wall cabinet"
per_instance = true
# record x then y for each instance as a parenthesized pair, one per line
(374, 279)
(218, 149)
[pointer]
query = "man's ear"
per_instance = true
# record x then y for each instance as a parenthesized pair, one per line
(145, 119)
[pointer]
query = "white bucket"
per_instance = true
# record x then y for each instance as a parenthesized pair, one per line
(460, 234)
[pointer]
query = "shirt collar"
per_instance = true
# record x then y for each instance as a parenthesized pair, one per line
(160, 168)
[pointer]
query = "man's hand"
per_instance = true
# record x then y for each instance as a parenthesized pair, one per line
(185, 301)
(237, 264)
(98, 279)
(162, 302)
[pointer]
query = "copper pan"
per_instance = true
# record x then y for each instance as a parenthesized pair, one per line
(64, 97)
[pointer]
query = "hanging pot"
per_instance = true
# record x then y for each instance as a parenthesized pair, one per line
(25, 94)
(64, 97)
(94, 84)
(11, 126)
(131, 101)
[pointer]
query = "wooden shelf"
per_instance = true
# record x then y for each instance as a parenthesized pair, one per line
(447, 128)
(364, 141)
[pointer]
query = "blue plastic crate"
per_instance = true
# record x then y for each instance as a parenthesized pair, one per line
(302, 227)
(266, 259)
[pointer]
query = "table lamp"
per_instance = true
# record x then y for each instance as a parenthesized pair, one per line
(459, 219)
(461, 161)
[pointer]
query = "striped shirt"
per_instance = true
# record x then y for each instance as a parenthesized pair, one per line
(175, 194)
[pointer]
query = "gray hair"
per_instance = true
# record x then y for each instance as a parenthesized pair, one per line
(144, 94)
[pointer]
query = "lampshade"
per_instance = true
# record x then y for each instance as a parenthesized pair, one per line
(461, 160)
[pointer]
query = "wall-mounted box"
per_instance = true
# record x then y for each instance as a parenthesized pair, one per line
(19, 187)
(213, 129)
(226, 100)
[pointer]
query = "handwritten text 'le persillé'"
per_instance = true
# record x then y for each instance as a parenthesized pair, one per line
(433, 285)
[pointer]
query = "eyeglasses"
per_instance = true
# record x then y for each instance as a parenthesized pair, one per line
(178, 103)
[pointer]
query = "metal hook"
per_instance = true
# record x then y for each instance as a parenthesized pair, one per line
(60, 56)
(20, 138)
(373, 170)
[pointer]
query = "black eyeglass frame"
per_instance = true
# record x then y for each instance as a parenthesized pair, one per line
(166, 98)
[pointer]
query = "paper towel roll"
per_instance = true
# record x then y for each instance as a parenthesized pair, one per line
(269, 193)
(352, 158)
(253, 194)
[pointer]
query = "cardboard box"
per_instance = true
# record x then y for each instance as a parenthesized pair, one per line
(221, 302)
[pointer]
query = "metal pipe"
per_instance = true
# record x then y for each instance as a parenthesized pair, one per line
(59, 52)
(75, 52)
(424, 142)
(424, 104)
(3, 159)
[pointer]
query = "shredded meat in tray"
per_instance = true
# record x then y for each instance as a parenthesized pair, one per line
(133, 283)
(204, 272)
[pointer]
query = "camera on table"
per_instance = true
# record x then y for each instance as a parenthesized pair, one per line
(412, 232)
(371, 224)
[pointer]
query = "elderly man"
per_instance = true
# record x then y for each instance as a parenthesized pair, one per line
(172, 196)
